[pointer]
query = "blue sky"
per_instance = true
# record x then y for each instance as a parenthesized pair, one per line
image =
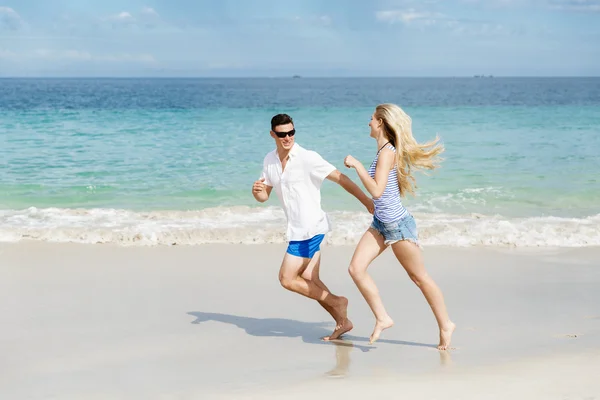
(306, 37)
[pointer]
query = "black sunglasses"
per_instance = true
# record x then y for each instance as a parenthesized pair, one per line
(281, 135)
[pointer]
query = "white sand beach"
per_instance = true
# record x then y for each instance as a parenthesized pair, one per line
(211, 321)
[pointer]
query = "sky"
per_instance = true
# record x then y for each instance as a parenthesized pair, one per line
(328, 38)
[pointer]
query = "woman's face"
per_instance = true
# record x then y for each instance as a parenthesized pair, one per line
(375, 125)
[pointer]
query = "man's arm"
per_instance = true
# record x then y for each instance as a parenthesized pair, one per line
(352, 188)
(260, 191)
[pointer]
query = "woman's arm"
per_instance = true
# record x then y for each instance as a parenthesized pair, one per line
(385, 163)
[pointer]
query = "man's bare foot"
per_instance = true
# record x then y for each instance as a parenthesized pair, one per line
(341, 309)
(446, 336)
(380, 326)
(340, 329)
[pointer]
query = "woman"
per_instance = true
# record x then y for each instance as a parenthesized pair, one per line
(389, 178)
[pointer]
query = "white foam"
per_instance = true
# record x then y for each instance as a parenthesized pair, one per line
(267, 225)
(464, 199)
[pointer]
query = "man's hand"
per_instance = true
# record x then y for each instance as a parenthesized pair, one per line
(259, 190)
(350, 161)
(259, 187)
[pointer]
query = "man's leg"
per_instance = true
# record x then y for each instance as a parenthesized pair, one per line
(311, 273)
(290, 276)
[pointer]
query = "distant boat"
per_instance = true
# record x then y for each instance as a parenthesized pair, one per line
(296, 77)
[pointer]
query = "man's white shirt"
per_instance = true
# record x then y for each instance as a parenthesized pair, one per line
(299, 190)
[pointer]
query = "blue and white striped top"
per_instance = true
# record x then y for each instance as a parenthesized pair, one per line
(388, 208)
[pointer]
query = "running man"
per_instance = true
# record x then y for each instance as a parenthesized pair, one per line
(297, 175)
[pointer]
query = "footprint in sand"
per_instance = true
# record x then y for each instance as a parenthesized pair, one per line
(441, 351)
(569, 335)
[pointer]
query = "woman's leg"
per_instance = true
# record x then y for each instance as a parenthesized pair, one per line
(370, 246)
(411, 258)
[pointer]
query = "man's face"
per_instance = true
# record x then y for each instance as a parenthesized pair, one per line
(287, 131)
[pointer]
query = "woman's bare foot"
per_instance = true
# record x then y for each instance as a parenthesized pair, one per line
(380, 326)
(446, 336)
(340, 329)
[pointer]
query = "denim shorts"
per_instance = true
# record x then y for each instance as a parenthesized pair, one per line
(392, 232)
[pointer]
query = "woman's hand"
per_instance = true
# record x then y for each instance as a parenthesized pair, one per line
(350, 161)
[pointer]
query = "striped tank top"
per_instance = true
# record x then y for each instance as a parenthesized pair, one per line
(388, 208)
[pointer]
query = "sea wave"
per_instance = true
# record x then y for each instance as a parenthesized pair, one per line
(258, 225)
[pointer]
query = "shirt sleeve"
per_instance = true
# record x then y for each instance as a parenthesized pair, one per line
(319, 167)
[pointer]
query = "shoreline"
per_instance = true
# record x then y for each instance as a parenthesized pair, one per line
(266, 225)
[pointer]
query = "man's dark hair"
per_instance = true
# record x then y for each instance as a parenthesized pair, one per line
(280, 119)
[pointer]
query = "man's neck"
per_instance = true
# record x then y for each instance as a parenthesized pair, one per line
(283, 153)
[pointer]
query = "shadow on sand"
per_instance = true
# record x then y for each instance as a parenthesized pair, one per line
(309, 332)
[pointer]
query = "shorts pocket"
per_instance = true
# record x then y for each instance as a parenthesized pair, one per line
(411, 227)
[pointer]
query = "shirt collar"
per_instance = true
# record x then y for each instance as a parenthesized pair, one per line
(294, 151)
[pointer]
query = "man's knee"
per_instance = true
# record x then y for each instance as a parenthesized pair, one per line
(286, 281)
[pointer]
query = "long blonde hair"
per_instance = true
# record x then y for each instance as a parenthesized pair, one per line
(410, 155)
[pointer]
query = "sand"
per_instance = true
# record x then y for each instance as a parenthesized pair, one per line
(211, 321)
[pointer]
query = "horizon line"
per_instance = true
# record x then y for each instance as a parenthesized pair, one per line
(491, 76)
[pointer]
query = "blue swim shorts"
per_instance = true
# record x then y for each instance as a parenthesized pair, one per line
(305, 248)
(392, 232)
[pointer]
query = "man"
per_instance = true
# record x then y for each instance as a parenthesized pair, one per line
(297, 175)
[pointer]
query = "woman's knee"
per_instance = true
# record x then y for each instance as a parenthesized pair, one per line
(356, 270)
(419, 279)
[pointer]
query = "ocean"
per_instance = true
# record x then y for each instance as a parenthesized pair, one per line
(172, 161)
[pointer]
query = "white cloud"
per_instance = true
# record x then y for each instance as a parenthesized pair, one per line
(7, 55)
(147, 18)
(559, 5)
(150, 18)
(319, 20)
(408, 16)
(576, 5)
(10, 19)
(42, 53)
(78, 55)
(122, 19)
(139, 58)
(493, 2)
(149, 11)
(123, 16)
(325, 19)
(438, 21)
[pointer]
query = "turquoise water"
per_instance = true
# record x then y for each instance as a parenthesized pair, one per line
(157, 161)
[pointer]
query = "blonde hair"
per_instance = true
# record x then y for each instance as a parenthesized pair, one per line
(410, 155)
